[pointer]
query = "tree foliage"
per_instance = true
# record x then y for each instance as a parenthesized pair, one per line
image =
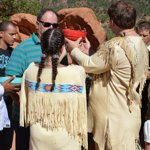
(10, 7)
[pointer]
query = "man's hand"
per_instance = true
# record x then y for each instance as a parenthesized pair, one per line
(70, 45)
(9, 87)
(84, 46)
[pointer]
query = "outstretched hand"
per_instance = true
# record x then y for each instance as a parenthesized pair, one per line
(9, 87)
(84, 46)
(70, 45)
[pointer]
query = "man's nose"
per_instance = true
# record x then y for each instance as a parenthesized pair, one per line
(51, 26)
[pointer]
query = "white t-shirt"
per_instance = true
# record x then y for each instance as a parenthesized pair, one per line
(147, 131)
(4, 119)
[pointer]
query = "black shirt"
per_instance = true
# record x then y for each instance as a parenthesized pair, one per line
(4, 59)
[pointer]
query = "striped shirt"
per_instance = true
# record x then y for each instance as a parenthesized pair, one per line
(25, 53)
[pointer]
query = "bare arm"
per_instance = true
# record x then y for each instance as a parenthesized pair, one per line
(9, 87)
(97, 63)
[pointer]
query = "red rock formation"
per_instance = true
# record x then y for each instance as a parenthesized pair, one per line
(71, 18)
(26, 25)
(84, 19)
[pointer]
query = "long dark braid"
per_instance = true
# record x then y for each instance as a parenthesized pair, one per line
(54, 71)
(41, 66)
(55, 47)
(51, 43)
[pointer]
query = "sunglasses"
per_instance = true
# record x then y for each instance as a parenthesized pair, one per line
(47, 24)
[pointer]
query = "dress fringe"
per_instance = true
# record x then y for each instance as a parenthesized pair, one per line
(69, 113)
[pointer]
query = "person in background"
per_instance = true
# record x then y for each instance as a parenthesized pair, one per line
(120, 69)
(5, 87)
(7, 38)
(147, 134)
(143, 29)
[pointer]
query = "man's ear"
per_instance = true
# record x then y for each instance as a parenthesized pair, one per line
(1, 34)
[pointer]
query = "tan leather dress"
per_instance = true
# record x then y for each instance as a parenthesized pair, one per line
(119, 67)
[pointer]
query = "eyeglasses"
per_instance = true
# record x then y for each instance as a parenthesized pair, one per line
(48, 24)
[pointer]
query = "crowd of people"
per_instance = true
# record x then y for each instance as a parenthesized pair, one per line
(49, 110)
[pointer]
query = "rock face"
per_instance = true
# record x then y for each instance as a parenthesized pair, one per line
(73, 18)
(26, 25)
(83, 19)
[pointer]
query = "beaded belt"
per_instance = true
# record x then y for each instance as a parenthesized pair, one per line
(59, 88)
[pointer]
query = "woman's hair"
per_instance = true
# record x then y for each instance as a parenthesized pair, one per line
(52, 41)
(123, 14)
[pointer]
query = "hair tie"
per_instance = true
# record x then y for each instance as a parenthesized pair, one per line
(55, 56)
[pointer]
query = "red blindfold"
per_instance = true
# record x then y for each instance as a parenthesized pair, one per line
(74, 34)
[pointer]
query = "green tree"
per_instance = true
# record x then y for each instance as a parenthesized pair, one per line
(10, 7)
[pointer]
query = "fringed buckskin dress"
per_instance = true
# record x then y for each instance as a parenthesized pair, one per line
(58, 119)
